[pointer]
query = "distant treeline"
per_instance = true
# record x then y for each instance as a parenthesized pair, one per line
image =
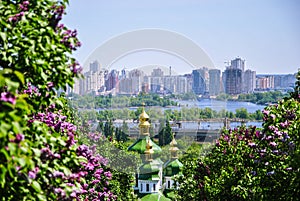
(261, 98)
(109, 101)
(185, 114)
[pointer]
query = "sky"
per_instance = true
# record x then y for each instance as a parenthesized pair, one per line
(266, 33)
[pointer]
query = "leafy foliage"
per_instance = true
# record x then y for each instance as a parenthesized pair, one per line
(249, 163)
(40, 156)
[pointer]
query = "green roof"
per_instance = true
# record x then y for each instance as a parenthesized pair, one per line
(154, 197)
(173, 167)
(149, 171)
(140, 145)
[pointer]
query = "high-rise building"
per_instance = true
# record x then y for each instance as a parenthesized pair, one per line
(214, 82)
(181, 84)
(238, 63)
(170, 84)
(233, 80)
(94, 66)
(157, 72)
(156, 80)
(265, 82)
(233, 77)
(111, 81)
(125, 86)
(249, 81)
(137, 77)
(199, 77)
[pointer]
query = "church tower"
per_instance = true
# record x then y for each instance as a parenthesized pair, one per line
(173, 166)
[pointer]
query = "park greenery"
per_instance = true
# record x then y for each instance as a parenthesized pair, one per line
(247, 163)
(42, 151)
(50, 151)
(185, 114)
(90, 101)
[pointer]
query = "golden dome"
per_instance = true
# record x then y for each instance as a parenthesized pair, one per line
(144, 116)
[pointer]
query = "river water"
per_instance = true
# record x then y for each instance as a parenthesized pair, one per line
(217, 105)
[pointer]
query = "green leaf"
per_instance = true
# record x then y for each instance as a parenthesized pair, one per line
(4, 127)
(12, 86)
(44, 76)
(22, 161)
(36, 186)
(20, 76)
(3, 36)
(2, 176)
(12, 147)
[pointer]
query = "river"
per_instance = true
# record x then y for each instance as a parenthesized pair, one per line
(218, 105)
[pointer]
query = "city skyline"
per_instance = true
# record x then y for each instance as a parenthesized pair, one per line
(207, 82)
(266, 33)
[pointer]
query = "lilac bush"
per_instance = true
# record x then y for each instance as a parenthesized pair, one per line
(250, 163)
(41, 158)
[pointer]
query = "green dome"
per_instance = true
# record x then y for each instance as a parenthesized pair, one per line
(173, 167)
(149, 171)
(140, 145)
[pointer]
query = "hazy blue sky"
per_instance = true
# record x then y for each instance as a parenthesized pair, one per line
(266, 33)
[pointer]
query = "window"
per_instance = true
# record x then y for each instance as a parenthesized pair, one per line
(147, 187)
(154, 187)
(169, 184)
(141, 187)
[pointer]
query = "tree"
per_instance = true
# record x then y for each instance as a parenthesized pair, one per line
(251, 164)
(165, 135)
(242, 113)
(108, 129)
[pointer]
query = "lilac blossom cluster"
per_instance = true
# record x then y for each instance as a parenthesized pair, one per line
(58, 11)
(66, 40)
(31, 90)
(8, 97)
(93, 169)
(23, 7)
(76, 68)
(273, 141)
(58, 123)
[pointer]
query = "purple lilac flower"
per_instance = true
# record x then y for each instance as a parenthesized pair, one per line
(273, 116)
(32, 174)
(19, 138)
(226, 138)
(266, 112)
(58, 174)
(252, 144)
(92, 190)
(89, 166)
(108, 174)
(25, 3)
(284, 124)
(8, 97)
(95, 181)
(60, 192)
(273, 144)
(50, 85)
